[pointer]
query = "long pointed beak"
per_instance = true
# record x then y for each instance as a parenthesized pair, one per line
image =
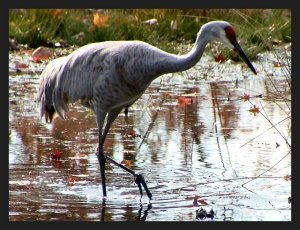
(238, 49)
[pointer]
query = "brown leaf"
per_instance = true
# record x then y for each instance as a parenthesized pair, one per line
(40, 54)
(254, 110)
(21, 65)
(72, 180)
(220, 58)
(277, 64)
(56, 155)
(100, 20)
(198, 201)
(246, 97)
(287, 177)
(126, 163)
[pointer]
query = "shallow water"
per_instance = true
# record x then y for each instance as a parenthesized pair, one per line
(209, 152)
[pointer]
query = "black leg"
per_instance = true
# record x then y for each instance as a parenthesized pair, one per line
(101, 158)
(139, 180)
(102, 161)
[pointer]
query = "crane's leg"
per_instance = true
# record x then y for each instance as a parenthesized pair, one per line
(112, 115)
(100, 115)
(139, 179)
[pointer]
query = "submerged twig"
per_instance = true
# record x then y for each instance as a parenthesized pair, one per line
(151, 125)
(259, 176)
(265, 116)
(223, 180)
(215, 104)
(272, 126)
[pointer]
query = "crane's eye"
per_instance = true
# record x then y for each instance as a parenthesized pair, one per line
(230, 34)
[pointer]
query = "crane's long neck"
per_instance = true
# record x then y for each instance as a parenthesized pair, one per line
(184, 62)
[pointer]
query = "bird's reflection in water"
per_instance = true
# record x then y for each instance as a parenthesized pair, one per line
(145, 213)
(141, 215)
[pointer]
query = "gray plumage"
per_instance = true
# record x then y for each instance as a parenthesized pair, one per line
(108, 76)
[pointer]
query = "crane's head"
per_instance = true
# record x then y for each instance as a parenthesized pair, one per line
(224, 32)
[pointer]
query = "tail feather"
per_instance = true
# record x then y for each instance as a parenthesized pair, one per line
(48, 103)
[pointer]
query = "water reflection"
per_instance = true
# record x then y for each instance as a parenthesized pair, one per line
(197, 148)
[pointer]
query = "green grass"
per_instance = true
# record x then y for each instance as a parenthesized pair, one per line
(257, 29)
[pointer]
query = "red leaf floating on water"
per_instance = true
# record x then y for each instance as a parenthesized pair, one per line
(56, 155)
(21, 65)
(246, 97)
(182, 100)
(198, 201)
(126, 163)
(220, 58)
(254, 110)
(72, 180)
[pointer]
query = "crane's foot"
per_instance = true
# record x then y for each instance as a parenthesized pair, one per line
(140, 181)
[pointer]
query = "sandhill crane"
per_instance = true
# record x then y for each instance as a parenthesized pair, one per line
(110, 76)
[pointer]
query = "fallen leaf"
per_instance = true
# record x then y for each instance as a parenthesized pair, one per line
(277, 64)
(100, 20)
(72, 180)
(287, 177)
(21, 65)
(126, 163)
(254, 110)
(245, 97)
(183, 100)
(56, 155)
(220, 58)
(40, 54)
(198, 201)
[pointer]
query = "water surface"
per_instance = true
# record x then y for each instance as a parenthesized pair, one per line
(209, 151)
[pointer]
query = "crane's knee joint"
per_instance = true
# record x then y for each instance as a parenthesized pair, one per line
(101, 159)
(138, 178)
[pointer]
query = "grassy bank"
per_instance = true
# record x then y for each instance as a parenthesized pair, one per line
(257, 29)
